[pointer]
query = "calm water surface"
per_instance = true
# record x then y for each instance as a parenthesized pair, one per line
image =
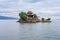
(12, 30)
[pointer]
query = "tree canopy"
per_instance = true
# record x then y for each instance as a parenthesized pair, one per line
(23, 15)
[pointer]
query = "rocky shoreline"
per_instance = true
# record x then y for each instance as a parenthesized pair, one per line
(24, 21)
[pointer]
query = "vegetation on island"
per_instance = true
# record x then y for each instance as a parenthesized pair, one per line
(49, 19)
(30, 17)
(43, 19)
(35, 16)
(22, 15)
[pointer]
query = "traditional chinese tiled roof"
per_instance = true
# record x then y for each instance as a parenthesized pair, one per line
(29, 13)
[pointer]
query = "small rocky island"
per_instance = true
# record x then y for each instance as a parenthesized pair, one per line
(30, 17)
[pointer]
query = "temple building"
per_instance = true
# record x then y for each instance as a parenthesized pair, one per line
(30, 15)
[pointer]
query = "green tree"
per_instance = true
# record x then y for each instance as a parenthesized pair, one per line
(42, 19)
(35, 16)
(23, 15)
(49, 19)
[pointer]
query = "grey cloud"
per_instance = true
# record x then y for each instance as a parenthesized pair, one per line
(8, 3)
(57, 14)
(32, 1)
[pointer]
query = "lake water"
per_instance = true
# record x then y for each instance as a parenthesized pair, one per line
(12, 30)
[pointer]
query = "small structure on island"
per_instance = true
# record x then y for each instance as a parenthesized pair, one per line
(29, 17)
(32, 17)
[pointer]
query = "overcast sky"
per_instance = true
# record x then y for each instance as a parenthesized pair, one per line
(41, 7)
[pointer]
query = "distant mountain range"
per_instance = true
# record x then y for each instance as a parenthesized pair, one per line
(7, 18)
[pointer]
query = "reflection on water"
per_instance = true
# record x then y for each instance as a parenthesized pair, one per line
(11, 30)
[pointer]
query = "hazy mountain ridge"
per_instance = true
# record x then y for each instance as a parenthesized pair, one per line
(6, 17)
